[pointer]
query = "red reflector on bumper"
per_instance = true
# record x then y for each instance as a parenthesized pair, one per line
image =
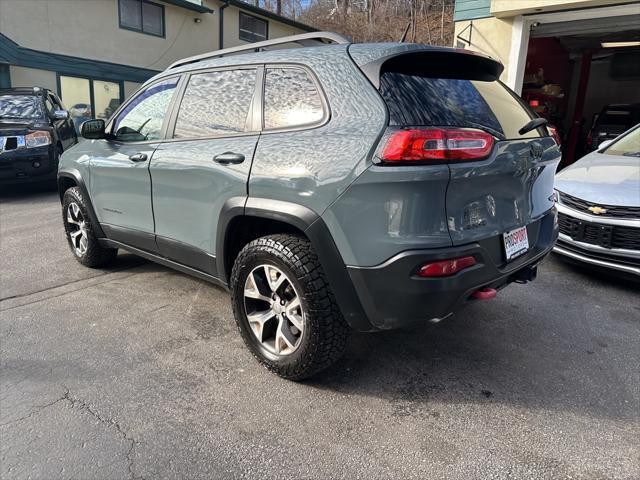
(444, 268)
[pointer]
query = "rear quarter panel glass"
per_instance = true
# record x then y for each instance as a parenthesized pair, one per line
(312, 167)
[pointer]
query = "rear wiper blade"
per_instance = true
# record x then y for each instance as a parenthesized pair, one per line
(532, 125)
(631, 154)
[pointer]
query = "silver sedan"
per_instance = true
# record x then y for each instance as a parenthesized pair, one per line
(598, 200)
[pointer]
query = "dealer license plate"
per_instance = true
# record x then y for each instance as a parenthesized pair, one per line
(516, 242)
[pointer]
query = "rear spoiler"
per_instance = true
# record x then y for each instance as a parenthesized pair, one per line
(435, 62)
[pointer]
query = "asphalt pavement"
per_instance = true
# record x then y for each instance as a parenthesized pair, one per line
(137, 371)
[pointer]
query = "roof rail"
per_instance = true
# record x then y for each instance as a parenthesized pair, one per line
(305, 39)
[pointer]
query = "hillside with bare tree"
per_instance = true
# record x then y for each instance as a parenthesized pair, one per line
(422, 21)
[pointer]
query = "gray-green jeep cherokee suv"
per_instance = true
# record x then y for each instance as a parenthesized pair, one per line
(328, 187)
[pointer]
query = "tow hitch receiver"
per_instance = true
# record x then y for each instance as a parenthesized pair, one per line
(527, 274)
(485, 294)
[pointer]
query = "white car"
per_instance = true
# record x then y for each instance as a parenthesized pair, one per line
(598, 201)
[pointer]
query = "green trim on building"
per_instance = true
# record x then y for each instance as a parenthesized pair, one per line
(471, 10)
(14, 54)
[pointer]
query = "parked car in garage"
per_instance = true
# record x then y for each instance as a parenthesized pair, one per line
(34, 131)
(598, 201)
(331, 186)
(612, 121)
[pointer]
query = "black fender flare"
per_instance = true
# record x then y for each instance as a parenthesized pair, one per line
(77, 178)
(312, 225)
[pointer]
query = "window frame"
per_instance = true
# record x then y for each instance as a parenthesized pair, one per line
(167, 118)
(141, 29)
(266, 23)
(326, 110)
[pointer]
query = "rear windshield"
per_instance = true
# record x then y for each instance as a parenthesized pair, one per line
(445, 102)
(20, 107)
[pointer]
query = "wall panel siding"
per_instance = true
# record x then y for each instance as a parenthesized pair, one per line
(471, 9)
(33, 77)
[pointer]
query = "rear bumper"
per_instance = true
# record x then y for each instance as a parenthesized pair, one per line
(28, 165)
(393, 296)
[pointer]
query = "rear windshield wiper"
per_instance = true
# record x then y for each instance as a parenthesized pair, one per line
(631, 154)
(532, 125)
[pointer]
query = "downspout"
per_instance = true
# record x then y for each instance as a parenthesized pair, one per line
(221, 27)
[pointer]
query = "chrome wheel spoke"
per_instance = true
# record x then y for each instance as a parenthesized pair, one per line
(279, 327)
(253, 291)
(70, 218)
(83, 244)
(293, 311)
(257, 321)
(76, 236)
(285, 340)
(275, 278)
(74, 210)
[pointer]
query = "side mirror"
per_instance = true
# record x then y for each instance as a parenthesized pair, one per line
(93, 129)
(604, 144)
(60, 115)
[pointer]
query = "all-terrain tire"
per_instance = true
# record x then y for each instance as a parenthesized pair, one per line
(95, 255)
(325, 333)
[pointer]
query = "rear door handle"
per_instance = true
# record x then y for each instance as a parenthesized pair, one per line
(227, 158)
(138, 157)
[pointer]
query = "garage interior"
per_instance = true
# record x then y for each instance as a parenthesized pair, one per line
(576, 68)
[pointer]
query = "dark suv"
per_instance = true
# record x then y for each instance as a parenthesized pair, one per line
(34, 131)
(330, 186)
(612, 121)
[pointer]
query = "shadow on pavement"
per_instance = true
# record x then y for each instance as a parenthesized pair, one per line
(544, 352)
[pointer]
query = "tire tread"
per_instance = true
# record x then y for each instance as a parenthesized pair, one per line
(329, 331)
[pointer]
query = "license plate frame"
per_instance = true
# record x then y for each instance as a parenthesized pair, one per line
(516, 243)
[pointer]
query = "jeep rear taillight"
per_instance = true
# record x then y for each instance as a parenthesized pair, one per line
(436, 145)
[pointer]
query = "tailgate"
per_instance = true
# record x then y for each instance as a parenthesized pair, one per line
(490, 191)
(510, 189)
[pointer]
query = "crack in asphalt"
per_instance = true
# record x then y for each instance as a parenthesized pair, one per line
(82, 405)
(65, 293)
(71, 282)
(38, 409)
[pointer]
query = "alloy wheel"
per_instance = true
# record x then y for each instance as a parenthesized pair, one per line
(273, 309)
(77, 229)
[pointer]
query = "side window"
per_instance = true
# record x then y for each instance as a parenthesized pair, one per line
(216, 103)
(291, 98)
(143, 116)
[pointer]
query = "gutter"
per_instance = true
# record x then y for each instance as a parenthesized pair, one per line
(221, 28)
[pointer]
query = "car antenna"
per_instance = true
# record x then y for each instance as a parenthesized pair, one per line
(404, 35)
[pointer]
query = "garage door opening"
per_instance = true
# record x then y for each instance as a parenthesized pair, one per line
(583, 76)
